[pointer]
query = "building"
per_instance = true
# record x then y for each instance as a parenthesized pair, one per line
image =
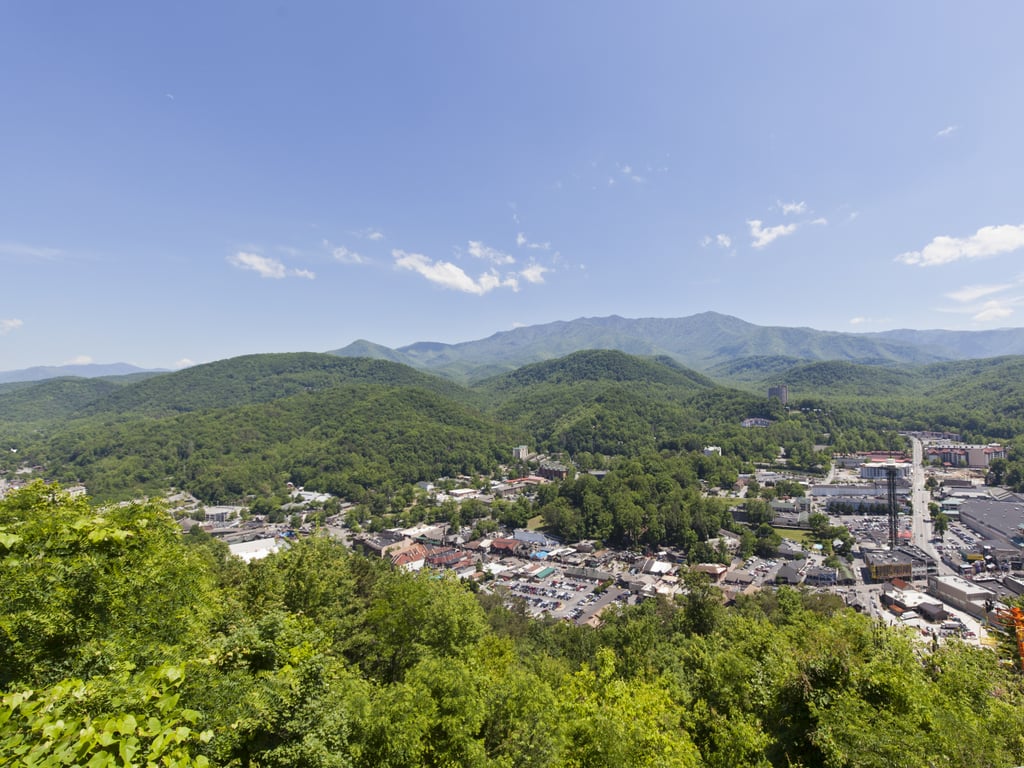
(821, 576)
(712, 450)
(960, 593)
(553, 470)
(963, 455)
(755, 422)
(520, 453)
(884, 565)
(879, 470)
(257, 549)
(779, 392)
(999, 523)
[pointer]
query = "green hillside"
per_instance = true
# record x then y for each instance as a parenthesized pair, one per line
(345, 439)
(52, 399)
(257, 379)
(604, 401)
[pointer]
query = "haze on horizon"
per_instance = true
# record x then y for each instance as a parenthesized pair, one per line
(195, 182)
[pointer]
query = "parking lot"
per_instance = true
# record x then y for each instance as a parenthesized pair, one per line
(563, 597)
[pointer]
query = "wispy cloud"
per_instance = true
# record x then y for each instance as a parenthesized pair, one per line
(10, 324)
(23, 251)
(523, 242)
(721, 240)
(628, 172)
(765, 235)
(79, 360)
(367, 233)
(795, 208)
(987, 241)
(478, 250)
(267, 267)
(982, 304)
(859, 320)
(452, 276)
(949, 130)
(995, 309)
(971, 293)
(821, 221)
(347, 256)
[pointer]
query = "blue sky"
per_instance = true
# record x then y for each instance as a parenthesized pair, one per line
(192, 181)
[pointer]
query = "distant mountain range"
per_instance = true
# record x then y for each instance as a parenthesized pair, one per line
(702, 342)
(90, 371)
(719, 345)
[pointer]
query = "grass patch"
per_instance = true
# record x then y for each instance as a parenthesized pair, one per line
(535, 523)
(803, 537)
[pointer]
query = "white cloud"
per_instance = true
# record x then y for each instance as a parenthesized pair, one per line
(820, 221)
(987, 241)
(79, 360)
(265, 266)
(994, 310)
(10, 324)
(520, 239)
(706, 241)
(765, 235)
(534, 273)
(949, 130)
(858, 320)
(346, 256)
(449, 275)
(183, 363)
(788, 208)
(480, 251)
(974, 292)
(375, 235)
(22, 250)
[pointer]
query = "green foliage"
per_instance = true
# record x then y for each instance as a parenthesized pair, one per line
(317, 657)
(83, 589)
(128, 722)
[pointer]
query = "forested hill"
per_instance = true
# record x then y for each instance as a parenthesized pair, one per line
(350, 425)
(257, 379)
(598, 365)
(605, 401)
(52, 398)
(347, 439)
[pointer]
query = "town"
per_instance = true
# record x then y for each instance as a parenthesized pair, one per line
(930, 547)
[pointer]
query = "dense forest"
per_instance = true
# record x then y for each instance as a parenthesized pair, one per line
(127, 643)
(357, 427)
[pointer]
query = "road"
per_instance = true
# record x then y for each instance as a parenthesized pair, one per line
(919, 498)
(921, 527)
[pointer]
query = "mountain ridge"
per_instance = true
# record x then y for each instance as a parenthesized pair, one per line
(702, 342)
